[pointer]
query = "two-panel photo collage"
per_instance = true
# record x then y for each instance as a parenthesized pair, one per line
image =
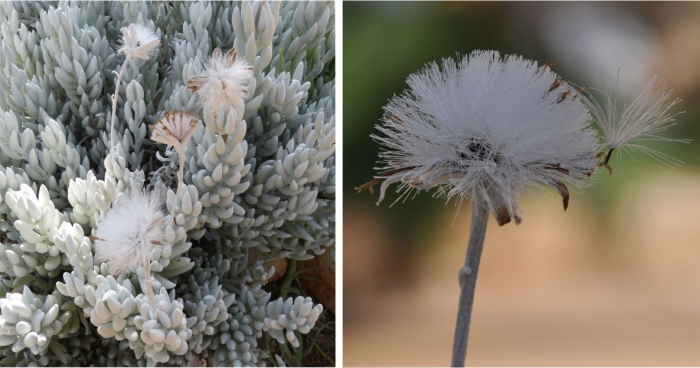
(349, 183)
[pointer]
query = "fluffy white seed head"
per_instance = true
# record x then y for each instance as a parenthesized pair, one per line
(125, 237)
(488, 128)
(223, 84)
(138, 42)
(175, 128)
(640, 121)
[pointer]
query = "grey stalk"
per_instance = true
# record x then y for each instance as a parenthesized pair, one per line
(467, 281)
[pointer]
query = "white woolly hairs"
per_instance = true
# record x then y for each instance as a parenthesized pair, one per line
(223, 84)
(125, 237)
(488, 128)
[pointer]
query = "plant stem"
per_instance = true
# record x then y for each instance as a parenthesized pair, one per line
(286, 354)
(149, 283)
(112, 133)
(323, 354)
(467, 281)
(288, 277)
(180, 174)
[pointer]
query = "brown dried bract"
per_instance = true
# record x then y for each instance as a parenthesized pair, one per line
(547, 65)
(557, 82)
(502, 216)
(394, 118)
(196, 82)
(378, 179)
(563, 190)
(563, 96)
(369, 185)
(557, 167)
(231, 56)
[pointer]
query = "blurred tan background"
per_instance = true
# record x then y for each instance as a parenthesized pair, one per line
(614, 281)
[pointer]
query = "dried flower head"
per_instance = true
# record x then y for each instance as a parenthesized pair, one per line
(223, 83)
(125, 237)
(488, 128)
(175, 128)
(138, 41)
(647, 115)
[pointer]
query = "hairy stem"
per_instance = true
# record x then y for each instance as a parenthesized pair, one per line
(467, 281)
(115, 97)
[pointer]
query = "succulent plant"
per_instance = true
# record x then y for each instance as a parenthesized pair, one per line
(253, 171)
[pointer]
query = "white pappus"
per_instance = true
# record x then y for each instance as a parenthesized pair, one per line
(489, 128)
(223, 84)
(138, 41)
(641, 120)
(125, 237)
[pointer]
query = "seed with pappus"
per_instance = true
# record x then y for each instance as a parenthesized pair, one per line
(223, 84)
(642, 120)
(486, 127)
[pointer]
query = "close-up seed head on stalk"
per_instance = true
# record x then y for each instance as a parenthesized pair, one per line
(531, 148)
(137, 41)
(489, 128)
